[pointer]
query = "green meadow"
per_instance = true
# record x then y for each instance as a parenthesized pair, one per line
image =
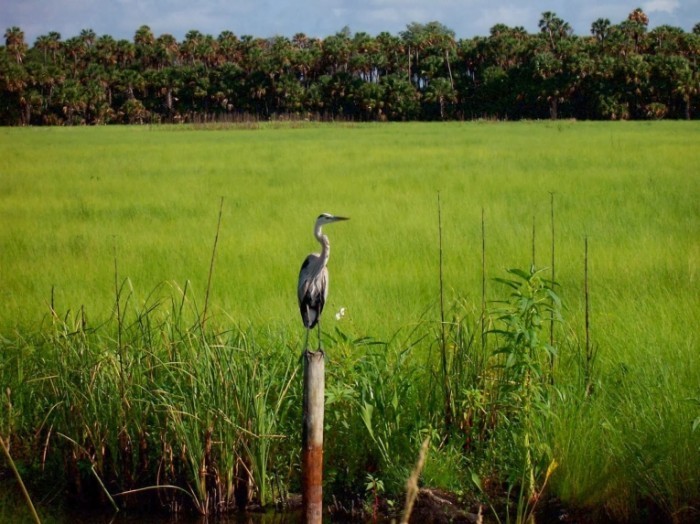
(107, 240)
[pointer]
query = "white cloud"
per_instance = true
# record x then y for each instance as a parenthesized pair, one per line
(661, 6)
(510, 15)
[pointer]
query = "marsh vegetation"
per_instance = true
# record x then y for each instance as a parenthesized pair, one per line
(128, 380)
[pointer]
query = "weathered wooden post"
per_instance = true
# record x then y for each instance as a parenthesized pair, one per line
(312, 437)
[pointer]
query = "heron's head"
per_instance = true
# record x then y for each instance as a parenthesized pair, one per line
(327, 218)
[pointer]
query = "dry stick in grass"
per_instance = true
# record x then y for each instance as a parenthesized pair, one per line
(589, 349)
(533, 264)
(551, 322)
(117, 306)
(483, 285)
(412, 482)
(443, 344)
(6, 451)
(211, 266)
(551, 318)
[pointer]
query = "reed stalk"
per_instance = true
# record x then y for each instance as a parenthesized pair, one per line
(211, 266)
(20, 482)
(447, 388)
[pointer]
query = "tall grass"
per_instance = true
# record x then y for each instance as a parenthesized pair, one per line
(145, 401)
(71, 196)
(112, 377)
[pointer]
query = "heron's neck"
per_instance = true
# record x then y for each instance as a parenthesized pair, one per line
(325, 245)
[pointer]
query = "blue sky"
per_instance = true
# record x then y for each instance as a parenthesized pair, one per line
(264, 18)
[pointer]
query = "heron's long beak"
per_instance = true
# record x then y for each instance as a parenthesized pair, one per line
(337, 219)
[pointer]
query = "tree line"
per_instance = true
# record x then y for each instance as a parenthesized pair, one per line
(619, 71)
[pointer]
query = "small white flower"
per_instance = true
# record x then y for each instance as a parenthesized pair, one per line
(340, 314)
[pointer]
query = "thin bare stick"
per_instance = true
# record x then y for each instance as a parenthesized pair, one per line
(483, 284)
(589, 351)
(117, 305)
(533, 265)
(104, 489)
(551, 319)
(211, 266)
(13, 467)
(412, 482)
(54, 316)
(443, 342)
(151, 488)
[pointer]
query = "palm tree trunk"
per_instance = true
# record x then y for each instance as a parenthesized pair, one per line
(449, 68)
(553, 108)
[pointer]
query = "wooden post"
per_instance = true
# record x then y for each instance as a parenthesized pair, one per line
(312, 437)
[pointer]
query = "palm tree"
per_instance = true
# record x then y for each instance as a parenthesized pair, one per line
(125, 53)
(393, 54)
(96, 95)
(686, 84)
(106, 48)
(401, 100)
(164, 83)
(166, 51)
(636, 26)
(54, 44)
(14, 41)
(441, 92)
(549, 63)
(209, 52)
(336, 52)
(70, 96)
(228, 46)
(14, 80)
(88, 37)
(307, 54)
(190, 47)
(43, 44)
(75, 50)
(600, 29)
(143, 42)
(430, 47)
(359, 61)
(554, 28)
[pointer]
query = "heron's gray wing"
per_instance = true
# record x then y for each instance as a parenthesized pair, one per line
(315, 298)
(305, 274)
(312, 290)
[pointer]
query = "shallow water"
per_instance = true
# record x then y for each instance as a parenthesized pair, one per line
(14, 510)
(48, 515)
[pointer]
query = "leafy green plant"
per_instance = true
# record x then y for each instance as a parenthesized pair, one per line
(524, 353)
(374, 488)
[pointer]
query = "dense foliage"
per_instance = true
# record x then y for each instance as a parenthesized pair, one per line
(622, 71)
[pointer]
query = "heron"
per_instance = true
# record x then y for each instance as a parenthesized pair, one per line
(312, 289)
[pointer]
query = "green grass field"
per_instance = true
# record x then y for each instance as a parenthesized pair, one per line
(74, 200)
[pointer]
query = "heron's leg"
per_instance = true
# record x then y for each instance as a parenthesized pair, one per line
(306, 340)
(319, 335)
